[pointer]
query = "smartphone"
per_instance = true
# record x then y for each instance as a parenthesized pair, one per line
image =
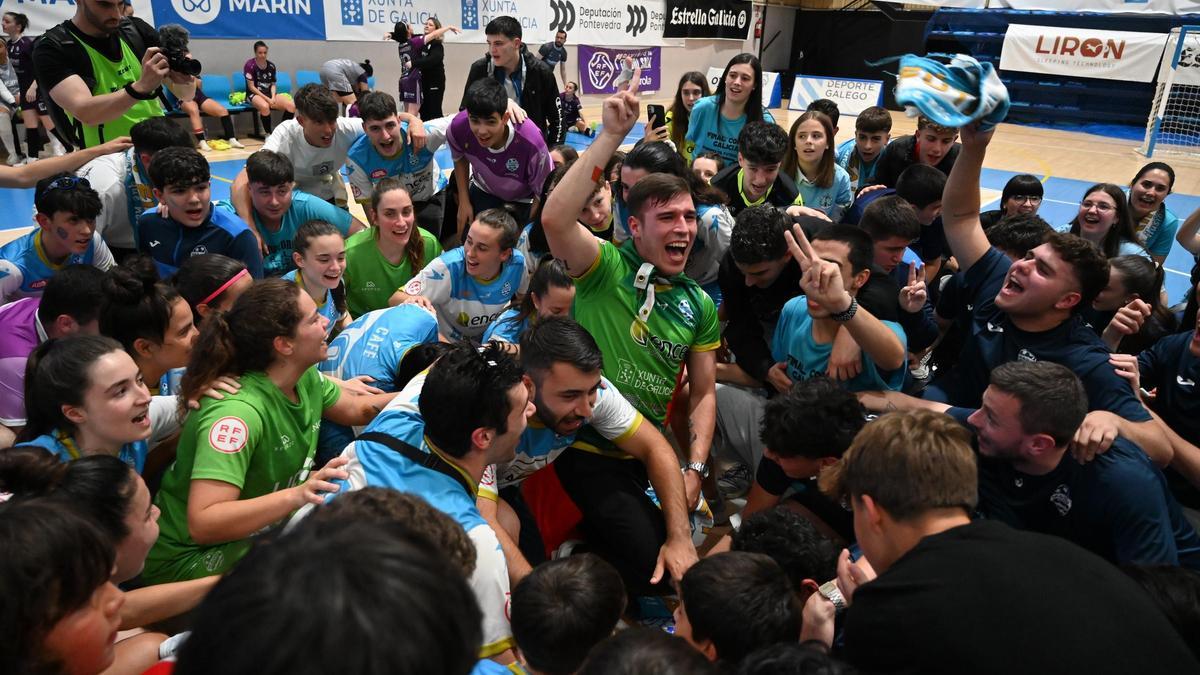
(656, 115)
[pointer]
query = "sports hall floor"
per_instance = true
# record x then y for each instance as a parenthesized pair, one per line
(1067, 162)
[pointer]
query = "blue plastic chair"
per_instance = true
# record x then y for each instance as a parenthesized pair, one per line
(304, 77)
(283, 83)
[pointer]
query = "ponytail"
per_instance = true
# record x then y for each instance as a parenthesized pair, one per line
(136, 304)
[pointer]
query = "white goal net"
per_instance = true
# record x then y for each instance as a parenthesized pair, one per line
(1174, 124)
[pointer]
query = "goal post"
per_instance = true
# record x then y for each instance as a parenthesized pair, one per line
(1174, 124)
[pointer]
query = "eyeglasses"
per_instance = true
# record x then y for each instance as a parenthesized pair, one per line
(67, 183)
(1020, 199)
(1102, 207)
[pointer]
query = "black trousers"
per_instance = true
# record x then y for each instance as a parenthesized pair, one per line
(431, 100)
(620, 522)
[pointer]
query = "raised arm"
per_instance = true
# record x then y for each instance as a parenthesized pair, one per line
(570, 241)
(28, 175)
(440, 32)
(1188, 235)
(960, 200)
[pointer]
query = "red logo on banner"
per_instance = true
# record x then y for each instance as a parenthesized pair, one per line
(1090, 47)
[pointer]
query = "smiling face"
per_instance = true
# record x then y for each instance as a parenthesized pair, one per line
(1021, 204)
(689, 93)
(997, 425)
(83, 641)
(810, 142)
(932, 146)
(1097, 213)
(384, 135)
(870, 143)
(757, 178)
(115, 407)
(491, 130)
(664, 231)
(430, 26)
(482, 251)
(395, 217)
(323, 262)
(739, 83)
(187, 205)
(565, 397)
(271, 202)
(1149, 190)
(65, 233)
(318, 134)
(1040, 282)
(142, 521)
(307, 347)
(521, 407)
(178, 339)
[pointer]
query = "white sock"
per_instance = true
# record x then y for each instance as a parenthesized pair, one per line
(6, 134)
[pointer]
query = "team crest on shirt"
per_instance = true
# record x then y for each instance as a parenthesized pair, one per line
(378, 174)
(355, 191)
(512, 164)
(1061, 499)
(506, 288)
(414, 287)
(1026, 355)
(200, 250)
(228, 435)
(685, 308)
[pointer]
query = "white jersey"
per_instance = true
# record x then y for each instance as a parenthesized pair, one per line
(316, 169)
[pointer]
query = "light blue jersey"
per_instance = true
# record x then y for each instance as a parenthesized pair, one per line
(374, 464)
(63, 446)
(417, 170)
(793, 344)
(25, 269)
(506, 328)
(305, 207)
(833, 200)
(327, 308)
(1157, 231)
(373, 345)
(465, 305)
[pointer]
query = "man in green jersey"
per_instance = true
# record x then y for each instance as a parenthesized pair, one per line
(100, 72)
(649, 320)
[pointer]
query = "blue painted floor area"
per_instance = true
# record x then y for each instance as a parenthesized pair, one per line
(1059, 206)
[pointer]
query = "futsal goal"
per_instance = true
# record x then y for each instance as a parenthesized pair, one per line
(1174, 124)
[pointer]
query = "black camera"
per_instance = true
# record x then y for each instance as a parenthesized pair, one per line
(173, 40)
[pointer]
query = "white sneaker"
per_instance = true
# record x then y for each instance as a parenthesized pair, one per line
(14, 159)
(29, 160)
(235, 143)
(203, 145)
(56, 148)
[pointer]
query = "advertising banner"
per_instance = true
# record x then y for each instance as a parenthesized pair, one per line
(607, 23)
(44, 14)
(851, 96)
(250, 19)
(598, 68)
(1079, 52)
(771, 92)
(1188, 71)
(712, 19)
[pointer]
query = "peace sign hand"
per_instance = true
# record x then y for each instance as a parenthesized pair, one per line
(821, 280)
(913, 295)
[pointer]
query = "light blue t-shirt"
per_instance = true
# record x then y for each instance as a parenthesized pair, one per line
(327, 309)
(506, 328)
(1158, 235)
(25, 269)
(793, 344)
(713, 133)
(833, 200)
(305, 207)
(861, 173)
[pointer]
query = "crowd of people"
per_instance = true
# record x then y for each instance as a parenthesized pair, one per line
(738, 399)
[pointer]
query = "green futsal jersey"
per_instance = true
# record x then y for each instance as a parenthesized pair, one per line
(257, 440)
(371, 279)
(642, 356)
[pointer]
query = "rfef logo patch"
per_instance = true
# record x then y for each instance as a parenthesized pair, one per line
(228, 435)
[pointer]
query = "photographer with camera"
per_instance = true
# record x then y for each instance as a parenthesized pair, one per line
(103, 71)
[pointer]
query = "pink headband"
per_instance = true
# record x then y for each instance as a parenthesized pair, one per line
(233, 280)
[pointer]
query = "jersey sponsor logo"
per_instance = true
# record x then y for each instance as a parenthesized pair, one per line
(467, 321)
(378, 174)
(512, 164)
(414, 287)
(641, 334)
(1061, 499)
(637, 378)
(40, 283)
(435, 275)
(369, 284)
(213, 561)
(1184, 382)
(228, 435)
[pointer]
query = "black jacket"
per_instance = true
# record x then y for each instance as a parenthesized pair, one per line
(539, 93)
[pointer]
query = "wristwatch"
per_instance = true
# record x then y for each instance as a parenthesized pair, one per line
(699, 467)
(844, 316)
